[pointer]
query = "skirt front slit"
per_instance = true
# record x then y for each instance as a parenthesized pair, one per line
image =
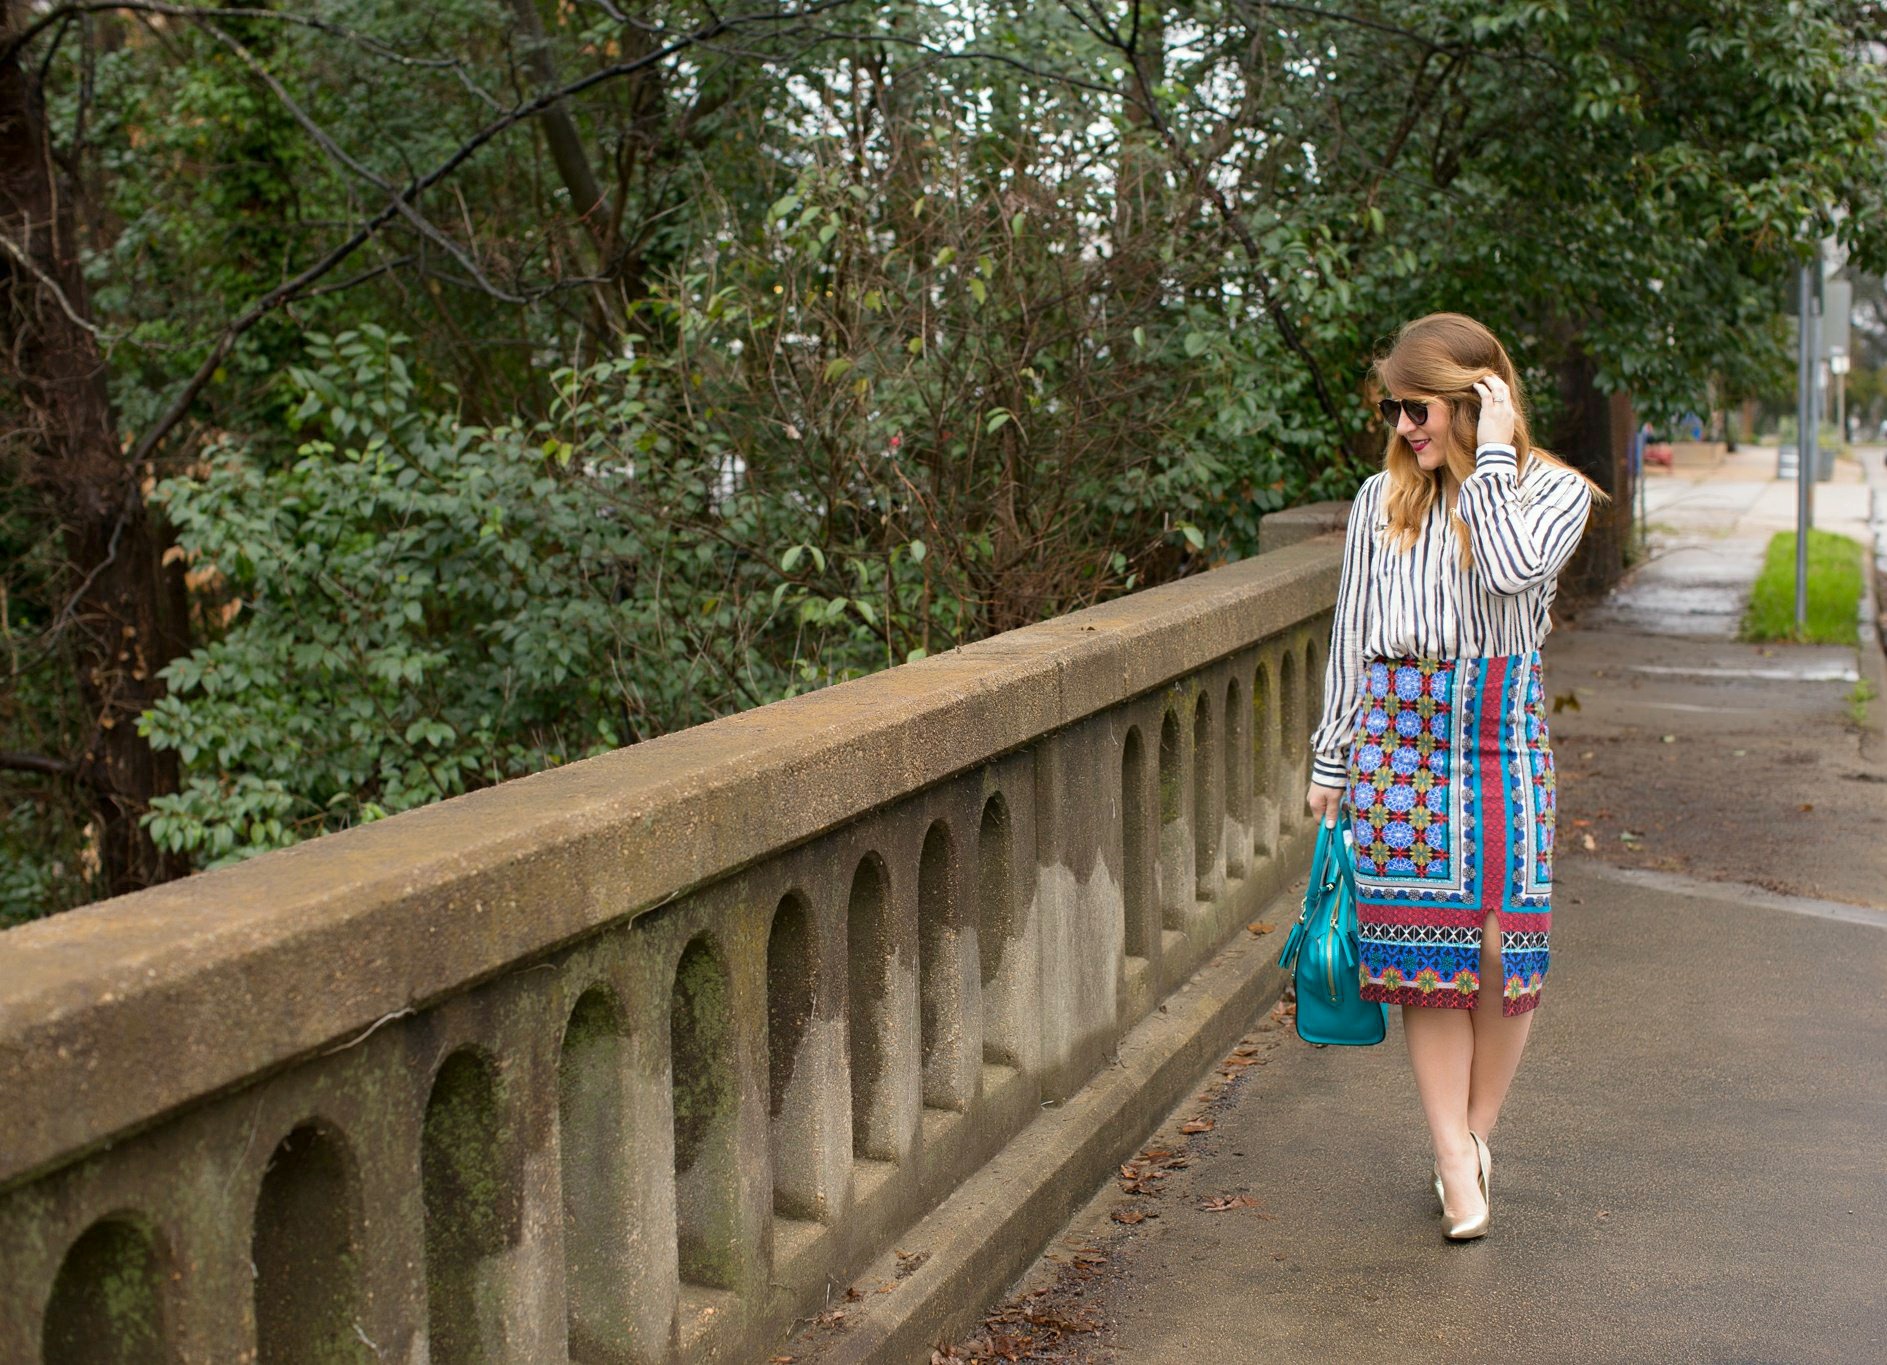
(1452, 807)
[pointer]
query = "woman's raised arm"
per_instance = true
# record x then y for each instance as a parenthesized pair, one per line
(1520, 539)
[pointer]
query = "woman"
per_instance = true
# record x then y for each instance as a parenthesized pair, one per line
(1435, 730)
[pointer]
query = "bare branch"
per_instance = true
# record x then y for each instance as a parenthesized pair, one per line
(60, 14)
(19, 254)
(36, 763)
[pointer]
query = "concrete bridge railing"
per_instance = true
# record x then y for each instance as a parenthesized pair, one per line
(631, 1060)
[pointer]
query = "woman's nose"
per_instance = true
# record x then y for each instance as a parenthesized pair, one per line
(1403, 425)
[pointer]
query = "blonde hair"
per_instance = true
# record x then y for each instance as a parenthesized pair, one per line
(1440, 357)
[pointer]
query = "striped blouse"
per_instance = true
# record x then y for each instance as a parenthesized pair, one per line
(1391, 604)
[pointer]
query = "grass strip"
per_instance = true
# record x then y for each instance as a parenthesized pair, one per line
(1834, 591)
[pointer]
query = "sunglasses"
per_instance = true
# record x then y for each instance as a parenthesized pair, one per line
(1416, 408)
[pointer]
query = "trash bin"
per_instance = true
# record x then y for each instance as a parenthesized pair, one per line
(1786, 457)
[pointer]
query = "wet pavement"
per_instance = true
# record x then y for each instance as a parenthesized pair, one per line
(1680, 748)
(1708, 530)
(1691, 1166)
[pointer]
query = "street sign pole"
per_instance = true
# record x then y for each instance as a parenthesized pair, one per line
(1805, 422)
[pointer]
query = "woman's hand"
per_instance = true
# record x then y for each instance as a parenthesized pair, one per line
(1326, 803)
(1496, 426)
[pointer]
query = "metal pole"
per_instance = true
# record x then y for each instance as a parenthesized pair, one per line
(1804, 434)
(1638, 483)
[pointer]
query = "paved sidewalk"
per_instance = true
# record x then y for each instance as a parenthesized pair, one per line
(1692, 1167)
(1682, 749)
(1709, 529)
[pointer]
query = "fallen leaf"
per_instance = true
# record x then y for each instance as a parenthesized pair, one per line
(1586, 754)
(1604, 1213)
(1566, 700)
(1590, 842)
(1668, 739)
(1128, 1216)
(1260, 927)
(1196, 1126)
(1223, 1203)
(1808, 805)
(1581, 824)
(910, 1260)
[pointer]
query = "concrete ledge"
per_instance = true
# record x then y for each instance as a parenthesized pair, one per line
(1295, 525)
(986, 1234)
(133, 1008)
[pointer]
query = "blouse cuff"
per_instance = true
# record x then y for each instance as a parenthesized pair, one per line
(1329, 771)
(1495, 458)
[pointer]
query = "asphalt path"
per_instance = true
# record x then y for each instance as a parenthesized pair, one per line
(1691, 1165)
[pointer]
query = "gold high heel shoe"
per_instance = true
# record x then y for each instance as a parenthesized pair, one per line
(1467, 1229)
(1441, 1200)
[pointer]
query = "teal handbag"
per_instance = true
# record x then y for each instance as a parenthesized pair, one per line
(1321, 954)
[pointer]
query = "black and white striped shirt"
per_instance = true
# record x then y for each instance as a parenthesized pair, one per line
(1393, 603)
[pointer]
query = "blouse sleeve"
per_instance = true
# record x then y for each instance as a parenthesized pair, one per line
(1520, 539)
(1343, 675)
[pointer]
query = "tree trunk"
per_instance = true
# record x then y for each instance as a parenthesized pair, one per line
(1593, 436)
(126, 616)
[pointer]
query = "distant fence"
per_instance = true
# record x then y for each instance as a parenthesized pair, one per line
(631, 1060)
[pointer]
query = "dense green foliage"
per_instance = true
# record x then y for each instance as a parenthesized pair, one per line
(899, 324)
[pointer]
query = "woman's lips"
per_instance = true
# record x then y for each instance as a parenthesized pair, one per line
(1419, 445)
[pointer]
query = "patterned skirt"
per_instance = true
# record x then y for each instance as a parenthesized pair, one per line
(1451, 802)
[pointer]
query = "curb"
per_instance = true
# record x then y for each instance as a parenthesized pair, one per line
(982, 1238)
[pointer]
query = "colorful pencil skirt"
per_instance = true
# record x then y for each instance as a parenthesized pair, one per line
(1451, 802)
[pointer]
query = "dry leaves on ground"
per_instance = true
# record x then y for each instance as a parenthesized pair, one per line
(1021, 1331)
(910, 1260)
(1225, 1203)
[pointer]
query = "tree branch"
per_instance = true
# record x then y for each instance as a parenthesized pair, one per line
(293, 288)
(37, 763)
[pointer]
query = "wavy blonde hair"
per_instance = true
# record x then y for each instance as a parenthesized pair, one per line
(1440, 357)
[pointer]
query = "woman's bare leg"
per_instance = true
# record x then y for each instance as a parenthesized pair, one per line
(1441, 1053)
(1499, 1039)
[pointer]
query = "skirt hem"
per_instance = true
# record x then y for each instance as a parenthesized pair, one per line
(1446, 998)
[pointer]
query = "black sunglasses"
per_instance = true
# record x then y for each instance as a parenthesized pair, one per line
(1417, 410)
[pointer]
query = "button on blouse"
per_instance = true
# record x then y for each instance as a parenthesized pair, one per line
(1393, 603)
